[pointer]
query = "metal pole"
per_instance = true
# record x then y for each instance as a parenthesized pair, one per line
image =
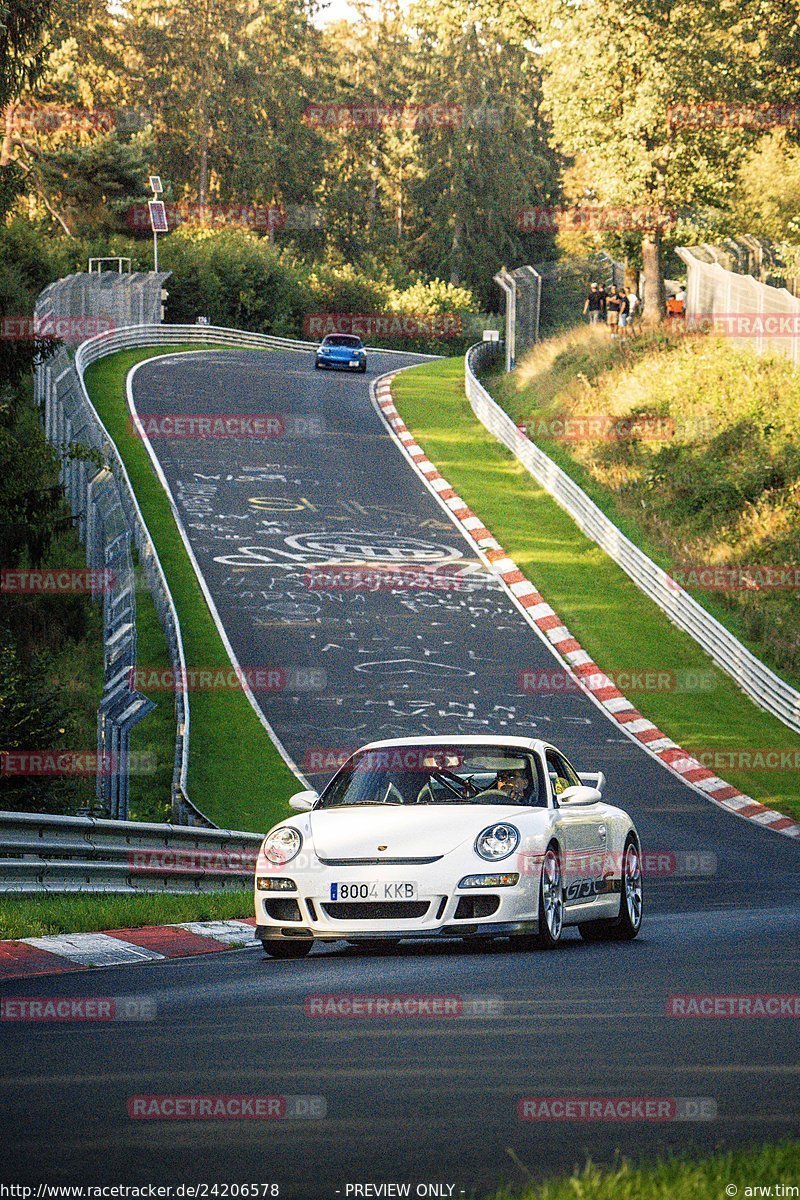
(509, 286)
(155, 250)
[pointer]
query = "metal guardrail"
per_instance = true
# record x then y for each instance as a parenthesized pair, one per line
(135, 336)
(81, 854)
(754, 677)
(92, 489)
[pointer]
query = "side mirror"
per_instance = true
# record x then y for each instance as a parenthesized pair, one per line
(303, 801)
(578, 795)
(593, 779)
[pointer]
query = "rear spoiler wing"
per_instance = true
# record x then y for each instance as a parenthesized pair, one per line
(593, 779)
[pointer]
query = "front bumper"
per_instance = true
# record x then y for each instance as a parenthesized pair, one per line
(441, 908)
(464, 929)
(340, 364)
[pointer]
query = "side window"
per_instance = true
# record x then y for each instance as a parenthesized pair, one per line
(560, 773)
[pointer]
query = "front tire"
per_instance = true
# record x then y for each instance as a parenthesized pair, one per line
(288, 949)
(363, 369)
(626, 925)
(551, 906)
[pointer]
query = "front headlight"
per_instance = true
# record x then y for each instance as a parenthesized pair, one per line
(496, 842)
(282, 845)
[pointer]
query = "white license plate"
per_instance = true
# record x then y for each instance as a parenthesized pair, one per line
(373, 891)
(354, 362)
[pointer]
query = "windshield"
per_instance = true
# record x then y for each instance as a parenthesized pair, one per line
(437, 775)
(343, 339)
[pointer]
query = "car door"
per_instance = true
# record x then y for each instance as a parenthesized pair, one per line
(583, 834)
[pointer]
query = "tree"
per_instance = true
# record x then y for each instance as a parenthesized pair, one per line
(477, 173)
(612, 71)
(22, 53)
(228, 81)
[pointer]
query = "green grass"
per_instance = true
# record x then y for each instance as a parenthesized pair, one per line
(154, 737)
(722, 488)
(586, 588)
(236, 776)
(37, 916)
(677, 1178)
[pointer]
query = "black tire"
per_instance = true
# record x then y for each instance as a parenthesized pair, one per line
(363, 369)
(551, 906)
(288, 949)
(626, 925)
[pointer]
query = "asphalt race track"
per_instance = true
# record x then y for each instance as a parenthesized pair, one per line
(422, 1100)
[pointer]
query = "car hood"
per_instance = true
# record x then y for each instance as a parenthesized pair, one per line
(419, 831)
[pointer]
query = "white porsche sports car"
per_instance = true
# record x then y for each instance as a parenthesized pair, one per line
(459, 837)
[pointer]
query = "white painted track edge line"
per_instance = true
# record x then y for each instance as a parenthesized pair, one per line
(286, 757)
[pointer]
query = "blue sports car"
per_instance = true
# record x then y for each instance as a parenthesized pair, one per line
(342, 350)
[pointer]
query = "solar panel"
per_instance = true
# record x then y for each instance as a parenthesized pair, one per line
(158, 216)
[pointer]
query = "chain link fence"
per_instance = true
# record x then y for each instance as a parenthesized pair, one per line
(109, 521)
(544, 299)
(738, 306)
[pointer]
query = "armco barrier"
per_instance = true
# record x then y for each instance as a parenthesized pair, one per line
(42, 853)
(763, 686)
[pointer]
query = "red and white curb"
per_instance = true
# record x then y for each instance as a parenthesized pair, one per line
(120, 947)
(541, 616)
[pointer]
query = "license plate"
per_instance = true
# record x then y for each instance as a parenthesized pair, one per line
(354, 362)
(373, 891)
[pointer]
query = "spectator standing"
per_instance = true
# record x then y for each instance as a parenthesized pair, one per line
(633, 306)
(624, 309)
(593, 305)
(613, 306)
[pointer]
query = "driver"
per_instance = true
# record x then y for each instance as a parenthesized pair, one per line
(513, 783)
